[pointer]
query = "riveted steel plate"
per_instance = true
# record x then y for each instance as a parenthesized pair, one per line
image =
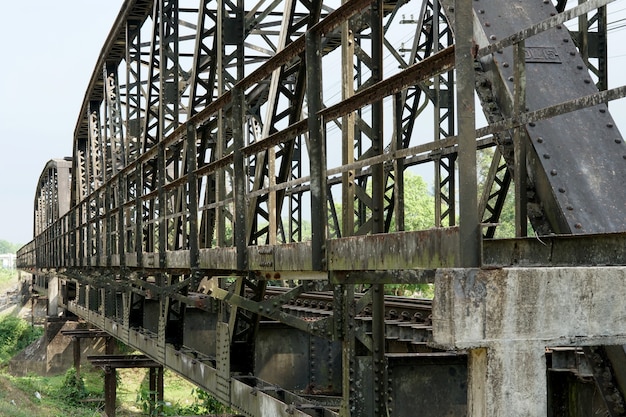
(576, 161)
(545, 54)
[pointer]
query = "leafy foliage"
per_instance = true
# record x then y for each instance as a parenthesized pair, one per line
(15, 335)
(419, 203)
(411, 290)
(73, 388)
(8, 247)
(204, 403)
(506, 221)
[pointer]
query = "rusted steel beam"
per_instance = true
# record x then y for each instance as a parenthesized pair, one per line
(555, 110)
(122, 361)
(84, 333)
(553, 251)
(543, 26)
(413, 75)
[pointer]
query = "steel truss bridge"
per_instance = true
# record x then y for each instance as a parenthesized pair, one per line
(239, 196)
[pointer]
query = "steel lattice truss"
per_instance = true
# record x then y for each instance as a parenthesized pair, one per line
(226, 144)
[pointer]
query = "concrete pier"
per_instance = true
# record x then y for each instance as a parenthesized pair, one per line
(505, 319)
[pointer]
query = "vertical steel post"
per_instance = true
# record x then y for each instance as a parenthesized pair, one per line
(346, 292)
(152, 390)
(76, 354)
(192, 204)
(139, 213)
(348, 348)
(162, 204)
(106, 227)
(469, 226)
(160, 389)
(519, 140)
(379, 374)
(121, 231)
(220, 146)
(239, 191)
(347, 129)
(398, 164)
(110, 382)
(603, 68)
(110, 391)
(317, 153)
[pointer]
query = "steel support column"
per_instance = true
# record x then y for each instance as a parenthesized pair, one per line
(317, 151)
(469, 222)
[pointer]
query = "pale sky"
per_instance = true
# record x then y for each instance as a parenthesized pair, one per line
(48, 55)
(49, 52)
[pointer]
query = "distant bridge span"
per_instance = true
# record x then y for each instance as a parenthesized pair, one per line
(239, 196)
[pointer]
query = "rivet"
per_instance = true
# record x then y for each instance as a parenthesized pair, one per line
(624, 156)
(572, 53)
(487, 24)
(587, 81)
(451, 8)
(505, 64)
(609, 125)
(553, 172)
(499, 51)
(565, 40)
(570, 208)
(561, 189)
(618, 140)
(578, 226)
(493, 37)
(579, 67)
(557, 26)
(546, 1)
(602, 110)
(546, 156)
(552, 14)
(481, 11)
(511, 78)
(539, 140)
(531, 124)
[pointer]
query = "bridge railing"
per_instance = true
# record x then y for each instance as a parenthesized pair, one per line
(186, 202)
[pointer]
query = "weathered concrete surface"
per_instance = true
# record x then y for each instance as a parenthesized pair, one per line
(507, 317)
(52, 354)
(555, 306)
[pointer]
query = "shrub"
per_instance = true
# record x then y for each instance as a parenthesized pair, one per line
(15, 335)
(73, 388)
(204, 403)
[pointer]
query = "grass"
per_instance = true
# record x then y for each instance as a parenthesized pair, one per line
(18, 396)
(34, 395)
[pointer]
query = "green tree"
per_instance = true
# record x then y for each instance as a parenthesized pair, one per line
(8, 247)
(419, 204)
(15, 335)
(506, 222)
(73, 388)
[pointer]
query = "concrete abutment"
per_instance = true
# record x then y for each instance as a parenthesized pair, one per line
(506, 318)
